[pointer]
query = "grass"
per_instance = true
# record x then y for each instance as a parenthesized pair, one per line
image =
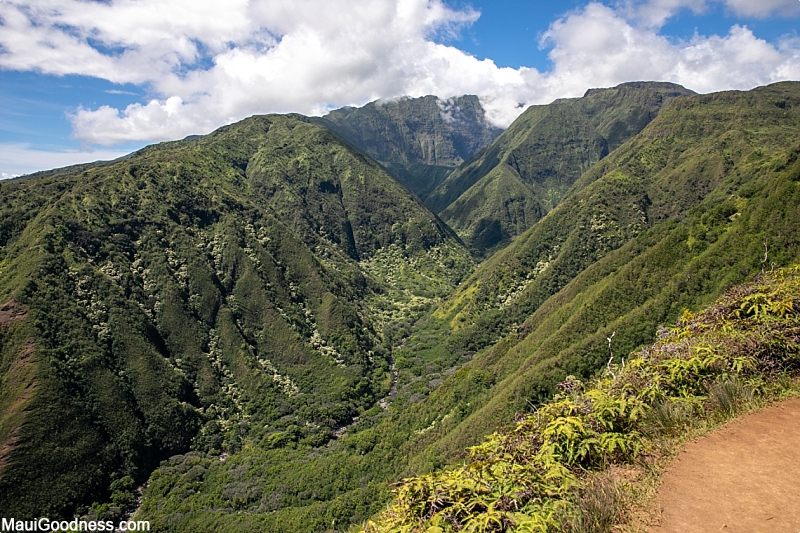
(597, 506)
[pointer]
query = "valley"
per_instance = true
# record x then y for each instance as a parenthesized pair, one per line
(269, 326)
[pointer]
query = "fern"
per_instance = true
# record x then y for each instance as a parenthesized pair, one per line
(523, 480)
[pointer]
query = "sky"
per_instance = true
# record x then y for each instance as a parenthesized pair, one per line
(87, 80)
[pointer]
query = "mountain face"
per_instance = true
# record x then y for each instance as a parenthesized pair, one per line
(419, 140)
(235, 319)
(509, 185)
(706, 196)
(665, 222)
(199, 295)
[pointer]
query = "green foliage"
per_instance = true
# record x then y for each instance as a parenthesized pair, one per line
(201, 295)
(525, 479)
(597, 506)
(608, 259)
(225, 312)
(418, 140)
(510, 185)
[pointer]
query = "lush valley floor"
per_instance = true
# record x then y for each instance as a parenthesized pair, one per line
(263, 330)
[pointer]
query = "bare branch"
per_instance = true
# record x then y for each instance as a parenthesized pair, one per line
(608, 365)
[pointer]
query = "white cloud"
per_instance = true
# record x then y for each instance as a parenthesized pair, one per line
(155, 121)
(598, 47)
(209, 64)
(764, 8)
(17, 159)
(654, 13)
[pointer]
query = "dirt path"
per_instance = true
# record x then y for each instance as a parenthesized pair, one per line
(742, 478)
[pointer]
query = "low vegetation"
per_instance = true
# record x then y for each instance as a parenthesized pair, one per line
(541, 476)
(229, 326)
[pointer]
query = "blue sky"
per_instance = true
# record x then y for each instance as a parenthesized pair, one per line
(86, 80)
(508, 31)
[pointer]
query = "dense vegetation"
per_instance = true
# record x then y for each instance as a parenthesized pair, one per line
(665, 222)
(508, 186)
(200, 295)
(537, 477)
(418, 140)
(235, 319)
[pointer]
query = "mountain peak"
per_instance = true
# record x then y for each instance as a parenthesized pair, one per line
(509, 185)
(418, 140)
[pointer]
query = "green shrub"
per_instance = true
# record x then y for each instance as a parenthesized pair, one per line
(540, 476)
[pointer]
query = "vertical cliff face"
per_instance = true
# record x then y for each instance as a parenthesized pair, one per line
(509, 185)
(419, 140)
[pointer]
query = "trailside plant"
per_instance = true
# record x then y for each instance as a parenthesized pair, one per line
(526, 479)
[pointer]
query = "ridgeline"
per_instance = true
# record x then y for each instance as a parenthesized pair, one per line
(264, 329)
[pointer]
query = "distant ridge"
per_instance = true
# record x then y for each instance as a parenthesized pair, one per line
(668, 221)
(418, 140)
(512, 183)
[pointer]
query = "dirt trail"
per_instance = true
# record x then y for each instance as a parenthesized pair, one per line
(742, 478)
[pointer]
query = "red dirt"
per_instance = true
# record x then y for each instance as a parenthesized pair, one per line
(7, 448)
(10, 312)
(742, 478)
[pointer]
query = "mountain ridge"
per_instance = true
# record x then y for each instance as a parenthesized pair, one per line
(197, 292)
(632, 258)
(240, 313)
(418, 140)
(508, 186)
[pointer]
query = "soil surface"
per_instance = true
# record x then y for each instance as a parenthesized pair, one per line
(10, 312)
(742, 478)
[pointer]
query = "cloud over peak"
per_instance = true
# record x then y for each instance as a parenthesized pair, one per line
(207, 64)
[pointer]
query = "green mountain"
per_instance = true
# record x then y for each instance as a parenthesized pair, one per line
(235, 319)
(508, 186)
(201, 295)
(418, 140)
(667, 221)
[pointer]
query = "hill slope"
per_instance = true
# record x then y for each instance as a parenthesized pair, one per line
(511, 184)
(196, 294)
(419, 140)
(546, 473)
(666, 222)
